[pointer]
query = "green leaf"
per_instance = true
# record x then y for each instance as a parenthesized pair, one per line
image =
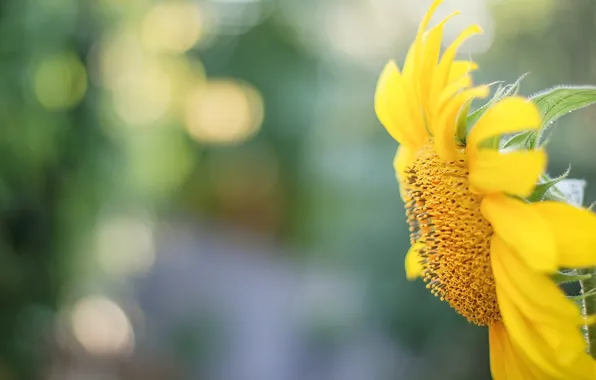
(546, 190)
(559, 101)
(521, 141)
(566, 277)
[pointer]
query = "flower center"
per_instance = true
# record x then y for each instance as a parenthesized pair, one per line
(445, 216)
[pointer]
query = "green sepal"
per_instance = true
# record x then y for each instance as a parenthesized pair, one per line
(521, 141)
(559, 101)
(546, 189)
(462, 123)
(588, 294)
(569, 276)
(500, 93)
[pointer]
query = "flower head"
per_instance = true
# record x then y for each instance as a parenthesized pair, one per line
(476, 241)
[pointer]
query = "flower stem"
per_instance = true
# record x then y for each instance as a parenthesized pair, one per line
(588, 305)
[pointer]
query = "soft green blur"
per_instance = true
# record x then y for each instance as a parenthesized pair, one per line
(252, 114)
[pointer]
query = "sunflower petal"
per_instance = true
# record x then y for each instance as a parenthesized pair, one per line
(557, 351)
(534, 241)
(574, 231)
(444, 67)
(535, 294)
(391, 106)
(505, 361)
(447, 122)
(413, 265)
(461, 69)
(512, 114)
(412, 63)
(514, 173)
(497, 338)
(430, 56)
(427, 16)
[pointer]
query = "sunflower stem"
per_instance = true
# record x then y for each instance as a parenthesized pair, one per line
(588, 305)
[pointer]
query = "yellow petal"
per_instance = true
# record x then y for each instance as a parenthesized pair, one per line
(450, 91)
(458, 80)
(512, 114)
(524, 229)
(393, 110)
(447, 122)
(437, 107)
(430, 56)
(412, 66)
(460, 69)
(444, 68)
(556, 351)
(506, 363)
(387, 85)
(427, 16)
(533, 293)
(514, 173)
(404, 157)
(413, 265)
(497, 338)
(574, 231)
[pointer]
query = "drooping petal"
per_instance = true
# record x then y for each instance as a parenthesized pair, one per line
(387, 85)
(499, 355)
(506, 363)
(512, 114)
(533, 293)
(514, 173)
(557, 351)
(574, 230)
(393, 110)
(520, 226)
(447, 122)
(413, 265)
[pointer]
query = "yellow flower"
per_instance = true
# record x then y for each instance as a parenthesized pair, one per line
(475, 241)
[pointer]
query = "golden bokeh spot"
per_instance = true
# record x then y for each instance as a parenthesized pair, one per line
(445, 216)
(185, 75)
(223, 112)
(60, 81)
(172, 26)
(119, 58)
(145, 97)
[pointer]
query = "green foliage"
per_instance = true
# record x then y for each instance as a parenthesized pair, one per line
(520, 141)
(546, 188)
(560, 101)
(569, 276)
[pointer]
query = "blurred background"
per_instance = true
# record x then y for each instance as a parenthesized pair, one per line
(199, 189)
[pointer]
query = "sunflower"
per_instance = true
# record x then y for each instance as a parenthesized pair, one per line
(476, 241)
